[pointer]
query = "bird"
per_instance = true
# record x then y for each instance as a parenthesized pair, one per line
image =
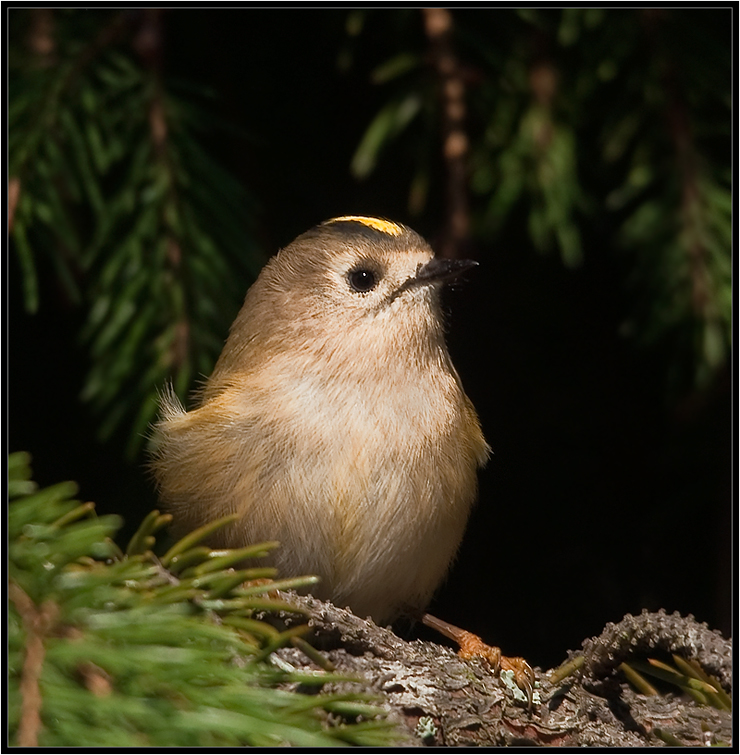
(334, 421)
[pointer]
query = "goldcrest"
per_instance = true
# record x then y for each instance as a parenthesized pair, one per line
(335, 422)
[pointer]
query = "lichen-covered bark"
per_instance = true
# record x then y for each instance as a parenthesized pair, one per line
(441, 699)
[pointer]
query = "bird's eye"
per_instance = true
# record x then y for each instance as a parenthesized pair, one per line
(361, 279)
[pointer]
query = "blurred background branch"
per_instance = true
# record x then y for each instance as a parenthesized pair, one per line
(439, 29)
(113, 188)
(572, 111)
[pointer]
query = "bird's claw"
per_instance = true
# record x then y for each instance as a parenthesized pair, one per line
(472, 646)
(523, 676)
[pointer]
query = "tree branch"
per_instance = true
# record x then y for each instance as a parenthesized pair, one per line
(442, 699)
(438, 26)
(37, 622)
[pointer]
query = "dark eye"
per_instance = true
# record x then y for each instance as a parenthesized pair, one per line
(361, 279)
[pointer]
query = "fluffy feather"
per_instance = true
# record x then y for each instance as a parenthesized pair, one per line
(335, 423)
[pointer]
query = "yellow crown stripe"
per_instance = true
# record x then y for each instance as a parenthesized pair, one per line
(384, 226)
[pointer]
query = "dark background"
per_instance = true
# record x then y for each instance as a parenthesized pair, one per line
(601, 497)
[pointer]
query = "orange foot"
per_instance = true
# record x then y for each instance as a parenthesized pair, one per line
(472, 646)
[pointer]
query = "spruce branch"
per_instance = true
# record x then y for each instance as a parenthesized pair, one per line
(587, 126)
(109, 179)
(107, 649)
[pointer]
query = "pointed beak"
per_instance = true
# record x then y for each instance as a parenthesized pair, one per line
(435, 271)
(441, 270)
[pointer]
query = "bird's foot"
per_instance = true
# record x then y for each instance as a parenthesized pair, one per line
(472, 646)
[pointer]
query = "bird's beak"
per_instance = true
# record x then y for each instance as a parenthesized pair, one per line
(435, 271)
(441, 270)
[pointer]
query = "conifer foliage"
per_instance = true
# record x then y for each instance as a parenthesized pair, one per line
(108, 649)
(600, 131)
(110, 184)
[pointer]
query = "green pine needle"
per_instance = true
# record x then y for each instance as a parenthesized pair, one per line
(113, 650)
